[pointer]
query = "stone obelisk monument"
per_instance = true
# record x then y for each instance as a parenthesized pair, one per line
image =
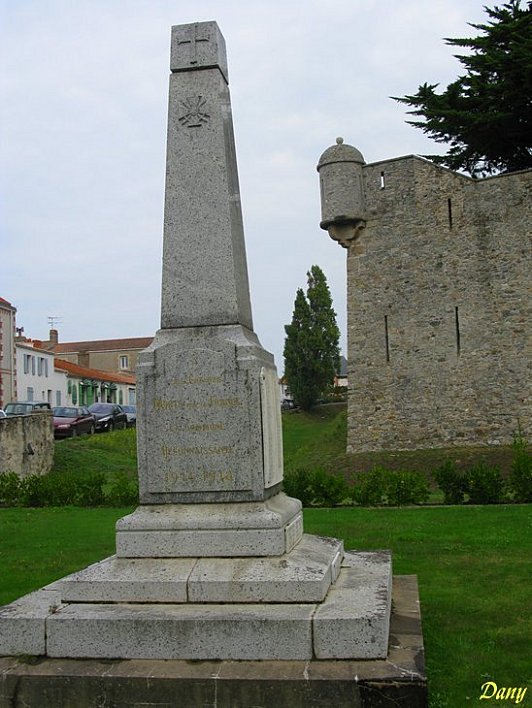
(213, 564)
(209, 426)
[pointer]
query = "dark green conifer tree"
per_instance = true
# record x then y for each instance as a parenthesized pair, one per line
(311, 352)
(485, 116)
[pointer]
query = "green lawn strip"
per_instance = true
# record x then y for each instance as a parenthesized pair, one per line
(473, 568)
(38, 546)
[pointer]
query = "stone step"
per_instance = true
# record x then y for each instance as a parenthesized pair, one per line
(302, 575)
(268, 528)
(351, 622)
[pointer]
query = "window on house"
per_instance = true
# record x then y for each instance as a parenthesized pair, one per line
(29, 393)
(27, 360)
(124, 362)
(32, 365)
(58, 398)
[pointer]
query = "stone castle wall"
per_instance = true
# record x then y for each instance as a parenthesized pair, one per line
(438, 309)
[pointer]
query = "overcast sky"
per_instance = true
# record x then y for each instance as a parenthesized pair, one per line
(83, 101)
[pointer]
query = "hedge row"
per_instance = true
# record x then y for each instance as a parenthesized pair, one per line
(480, 484)
(68, 489)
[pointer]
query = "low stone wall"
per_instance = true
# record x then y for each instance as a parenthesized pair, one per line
(27, 444)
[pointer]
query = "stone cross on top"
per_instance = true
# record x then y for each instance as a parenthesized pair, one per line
(199, 45)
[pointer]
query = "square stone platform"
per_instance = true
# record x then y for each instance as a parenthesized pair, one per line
(314, 602)
(397, 680)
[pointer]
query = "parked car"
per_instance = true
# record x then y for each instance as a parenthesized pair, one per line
(70, 421)
(108, 416)
(131, 412)
(26, 407)
(2, 414)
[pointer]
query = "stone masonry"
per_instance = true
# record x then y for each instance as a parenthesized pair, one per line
(438, 308)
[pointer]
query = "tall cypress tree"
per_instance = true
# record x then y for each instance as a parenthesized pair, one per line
(485, 116)
(311, 351)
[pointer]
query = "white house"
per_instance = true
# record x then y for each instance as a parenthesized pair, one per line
(37, 378)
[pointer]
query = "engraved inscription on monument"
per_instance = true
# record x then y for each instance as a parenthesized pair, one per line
(199, 410)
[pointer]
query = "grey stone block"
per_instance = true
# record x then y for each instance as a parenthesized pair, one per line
(181, 631)
(354, 619)
(129, 580)
(303, 575)
(211, 530)
(22, 623)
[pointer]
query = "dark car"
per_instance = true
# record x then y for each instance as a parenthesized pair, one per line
(131, 412)
(108, 416)
(26, 407)
(70, 421)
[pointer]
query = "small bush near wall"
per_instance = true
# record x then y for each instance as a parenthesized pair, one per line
(485, 484)
(371, 487)
(453, 483)
(520, 481)
(316, 487)
(404, 487)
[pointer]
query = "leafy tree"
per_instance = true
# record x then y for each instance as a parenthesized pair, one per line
(311, 352)
(486, 114)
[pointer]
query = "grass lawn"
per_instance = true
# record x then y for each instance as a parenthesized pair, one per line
(472, 563)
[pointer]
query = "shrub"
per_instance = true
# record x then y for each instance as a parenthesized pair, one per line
(521, 469)
(122, 491)
(371, 488)
(452, 483)
(9, 488)
(485, 484)
(328, 489)
(298, 484)
(90, 489)
(48, 490)
(403, 487)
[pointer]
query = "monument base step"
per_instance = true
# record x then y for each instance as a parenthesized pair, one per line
(398, 680)
(229, 529)
(351, 622)
(302, 575)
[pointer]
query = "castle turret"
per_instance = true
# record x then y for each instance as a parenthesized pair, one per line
(343, 212)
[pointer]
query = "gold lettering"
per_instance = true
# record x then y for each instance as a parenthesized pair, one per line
(207, 427)
(163, 404)
(167, 451)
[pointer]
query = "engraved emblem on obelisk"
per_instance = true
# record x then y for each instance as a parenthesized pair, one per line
(194, 115)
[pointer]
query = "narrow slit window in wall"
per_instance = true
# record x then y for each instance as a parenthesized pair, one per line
(386, 338)
(382, 180)
(457, 327)
(450, 213)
